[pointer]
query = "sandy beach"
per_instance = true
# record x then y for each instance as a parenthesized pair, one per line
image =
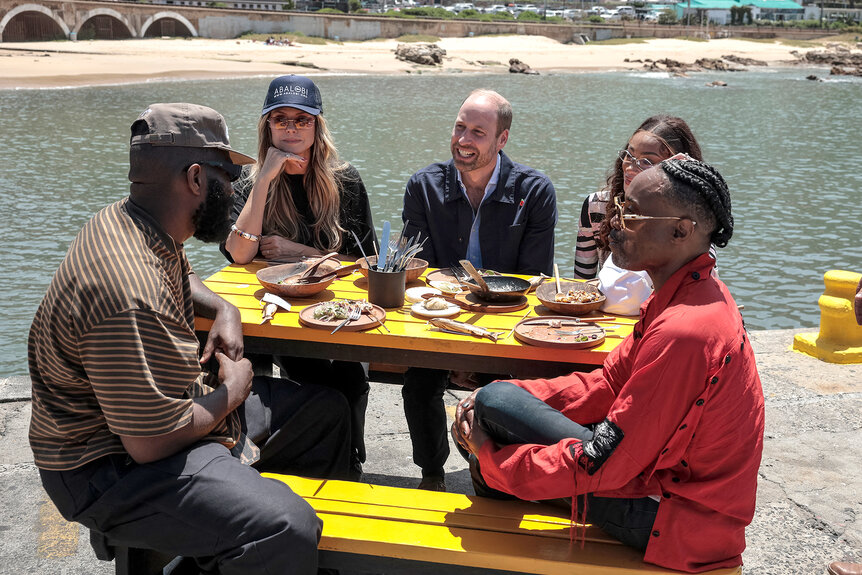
(54, 64)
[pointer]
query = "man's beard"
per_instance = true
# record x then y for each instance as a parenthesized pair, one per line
(212, 218)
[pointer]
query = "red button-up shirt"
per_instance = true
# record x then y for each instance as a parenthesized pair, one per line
(685, 392)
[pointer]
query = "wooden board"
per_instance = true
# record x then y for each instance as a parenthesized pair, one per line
(365, 321)
(473, 303)
(540, 332)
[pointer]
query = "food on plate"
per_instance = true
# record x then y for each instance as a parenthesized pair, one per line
(454, 326)
(578, 296)
(338, 309)
(446, 286)
(436, 303)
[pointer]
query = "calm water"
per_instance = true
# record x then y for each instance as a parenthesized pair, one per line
(787, 147)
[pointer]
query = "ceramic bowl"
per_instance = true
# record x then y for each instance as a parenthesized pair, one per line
(548, 290)
(416, 268)
(271, 276)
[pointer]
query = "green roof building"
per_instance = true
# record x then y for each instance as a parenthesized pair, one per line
(718, 11)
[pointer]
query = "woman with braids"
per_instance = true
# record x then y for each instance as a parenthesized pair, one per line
(657, 138)
(663, 442)
(300, 199)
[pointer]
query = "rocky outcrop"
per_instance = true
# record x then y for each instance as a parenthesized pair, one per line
(845, 71)
(518, 67)
(677, 68)
(744, 61)
(425, 54)
(718, 65)
(834, 57)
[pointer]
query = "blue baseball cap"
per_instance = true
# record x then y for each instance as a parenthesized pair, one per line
(295, 92)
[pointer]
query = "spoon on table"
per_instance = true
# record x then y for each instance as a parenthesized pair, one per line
(557, 276)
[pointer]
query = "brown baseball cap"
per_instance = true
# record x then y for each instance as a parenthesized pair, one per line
(184, 125)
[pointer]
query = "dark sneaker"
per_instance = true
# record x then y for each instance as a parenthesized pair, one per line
(432, 483)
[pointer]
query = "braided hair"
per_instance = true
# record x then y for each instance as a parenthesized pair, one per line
(698, 185)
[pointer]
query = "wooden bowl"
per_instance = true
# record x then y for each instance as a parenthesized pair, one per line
(548, 290)
(269, 278)
(416, 268)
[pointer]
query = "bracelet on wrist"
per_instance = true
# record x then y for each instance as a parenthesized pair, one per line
(245, 235)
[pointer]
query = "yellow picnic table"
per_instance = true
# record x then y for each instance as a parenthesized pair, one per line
(410, 340)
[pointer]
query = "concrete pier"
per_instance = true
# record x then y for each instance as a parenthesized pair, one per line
(809, 500)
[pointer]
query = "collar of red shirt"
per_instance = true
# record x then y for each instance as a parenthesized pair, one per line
(698, 269)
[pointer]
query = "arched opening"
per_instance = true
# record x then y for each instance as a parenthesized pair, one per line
(103, 27)
(32, 27)
(167, 27)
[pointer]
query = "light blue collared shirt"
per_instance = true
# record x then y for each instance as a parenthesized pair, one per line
(474, 250)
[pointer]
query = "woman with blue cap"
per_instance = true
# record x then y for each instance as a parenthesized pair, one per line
(300, 199)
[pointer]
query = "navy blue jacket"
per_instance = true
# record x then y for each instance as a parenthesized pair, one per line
(518, 218)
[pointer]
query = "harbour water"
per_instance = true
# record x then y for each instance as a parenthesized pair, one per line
(788, 148)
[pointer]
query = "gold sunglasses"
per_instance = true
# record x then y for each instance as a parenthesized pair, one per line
(624, 217)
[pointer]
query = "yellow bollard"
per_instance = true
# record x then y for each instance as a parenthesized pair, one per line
(840, 337)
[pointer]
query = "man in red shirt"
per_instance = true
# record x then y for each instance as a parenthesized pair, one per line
(667, 437)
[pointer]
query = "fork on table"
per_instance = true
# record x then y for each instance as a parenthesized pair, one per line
(355, 314)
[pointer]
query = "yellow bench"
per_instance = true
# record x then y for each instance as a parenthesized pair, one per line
(390, 529)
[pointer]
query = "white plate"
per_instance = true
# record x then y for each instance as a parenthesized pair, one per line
(419, 309)
(447, 287)
(414, 294)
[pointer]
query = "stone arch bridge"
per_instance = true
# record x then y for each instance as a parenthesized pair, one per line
(30, 20)
(27, 20)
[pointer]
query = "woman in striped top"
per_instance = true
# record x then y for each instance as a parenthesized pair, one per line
(658, 138)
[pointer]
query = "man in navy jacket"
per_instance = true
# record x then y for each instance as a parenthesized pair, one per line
(482, 206)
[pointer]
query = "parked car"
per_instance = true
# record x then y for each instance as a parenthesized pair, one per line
(461, 6)
(573, 13)
(626, 11)
(496, 9)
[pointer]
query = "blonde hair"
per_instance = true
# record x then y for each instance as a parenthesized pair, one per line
(280, 216)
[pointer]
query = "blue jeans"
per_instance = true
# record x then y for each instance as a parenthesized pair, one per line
(511, 415)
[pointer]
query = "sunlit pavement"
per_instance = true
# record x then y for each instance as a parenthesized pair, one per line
(809, 504)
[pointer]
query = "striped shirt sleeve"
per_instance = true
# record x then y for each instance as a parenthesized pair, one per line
(588, 256)
(140, 366)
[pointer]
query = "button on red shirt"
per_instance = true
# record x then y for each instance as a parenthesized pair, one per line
(688, 400)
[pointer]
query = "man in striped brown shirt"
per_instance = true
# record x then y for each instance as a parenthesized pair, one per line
(132, 438)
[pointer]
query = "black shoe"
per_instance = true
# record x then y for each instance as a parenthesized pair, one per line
(433, 483)
(355, 471)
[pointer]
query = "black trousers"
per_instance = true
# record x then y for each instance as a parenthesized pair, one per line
(348, 377)
(203, 503)
(422, 392)
(510, 415)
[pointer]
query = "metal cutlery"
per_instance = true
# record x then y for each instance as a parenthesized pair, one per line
(355, 314)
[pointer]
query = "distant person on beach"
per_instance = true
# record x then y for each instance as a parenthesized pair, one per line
(664, 440)
(659, 137)
(300, 200)
(133, 439)
(480, 206)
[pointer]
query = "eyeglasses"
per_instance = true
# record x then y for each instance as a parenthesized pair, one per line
(282, 123)
(621, 208)
(233, 171)
(640, 163)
